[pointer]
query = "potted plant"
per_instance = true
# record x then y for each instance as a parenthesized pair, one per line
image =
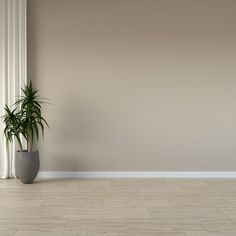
(25, 121)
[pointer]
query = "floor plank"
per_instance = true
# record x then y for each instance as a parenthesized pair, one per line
(118, 207)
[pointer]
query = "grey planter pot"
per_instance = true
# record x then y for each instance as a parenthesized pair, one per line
(27, 166)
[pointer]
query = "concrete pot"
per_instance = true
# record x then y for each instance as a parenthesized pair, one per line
(27, 166)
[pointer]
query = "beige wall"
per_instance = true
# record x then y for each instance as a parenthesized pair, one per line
(136, 84)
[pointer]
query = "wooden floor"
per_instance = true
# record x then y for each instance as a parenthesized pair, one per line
(141, 207)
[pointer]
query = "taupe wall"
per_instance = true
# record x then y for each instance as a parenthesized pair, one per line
(136, 84)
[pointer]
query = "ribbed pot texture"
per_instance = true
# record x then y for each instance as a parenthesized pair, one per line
(27, 166)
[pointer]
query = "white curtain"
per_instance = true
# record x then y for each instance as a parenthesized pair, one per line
(13, 73)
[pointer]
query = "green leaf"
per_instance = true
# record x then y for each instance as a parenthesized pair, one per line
(26, 118)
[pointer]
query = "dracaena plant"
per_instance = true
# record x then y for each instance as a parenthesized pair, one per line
(25, 120)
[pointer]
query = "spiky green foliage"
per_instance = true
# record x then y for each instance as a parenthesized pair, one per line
(13, 127)
(26, 118)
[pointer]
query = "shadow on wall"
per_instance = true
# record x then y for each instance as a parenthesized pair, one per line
(73, 132)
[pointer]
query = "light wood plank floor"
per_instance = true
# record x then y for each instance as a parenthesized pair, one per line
(127, 207)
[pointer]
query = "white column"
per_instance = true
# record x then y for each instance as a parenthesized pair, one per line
(13, 71)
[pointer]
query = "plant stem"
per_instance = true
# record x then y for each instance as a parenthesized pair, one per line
(19, 141)
(30, 142)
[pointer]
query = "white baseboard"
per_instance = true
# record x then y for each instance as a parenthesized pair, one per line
(137, 174)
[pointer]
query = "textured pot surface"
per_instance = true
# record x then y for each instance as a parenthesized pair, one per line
(27, 166)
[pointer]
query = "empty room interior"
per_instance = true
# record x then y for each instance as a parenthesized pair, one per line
(118, 118)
